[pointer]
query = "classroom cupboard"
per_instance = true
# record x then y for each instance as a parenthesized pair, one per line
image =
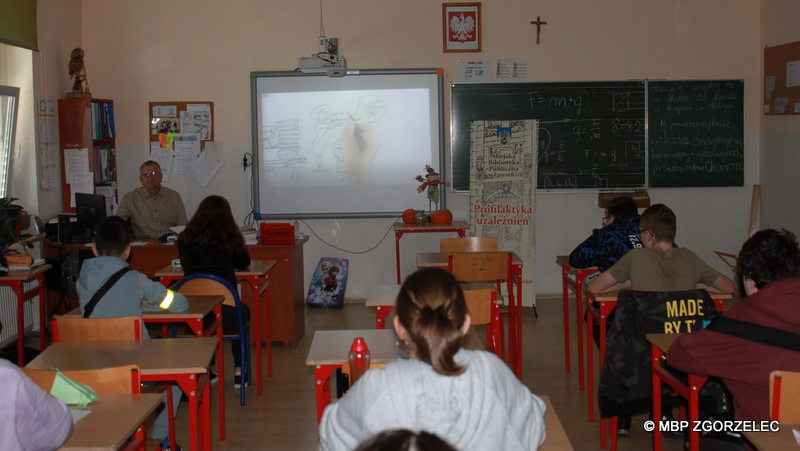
(86, 123)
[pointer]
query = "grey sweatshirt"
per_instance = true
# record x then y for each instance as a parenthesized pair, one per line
(484, 408)
(125, 297)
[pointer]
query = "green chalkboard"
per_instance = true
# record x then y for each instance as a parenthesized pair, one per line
(591, 134)
(696, 133)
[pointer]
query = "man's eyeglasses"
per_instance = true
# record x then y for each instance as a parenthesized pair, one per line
(150, 174)
(605, 220)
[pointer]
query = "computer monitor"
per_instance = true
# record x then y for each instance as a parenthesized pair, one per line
(90, 209)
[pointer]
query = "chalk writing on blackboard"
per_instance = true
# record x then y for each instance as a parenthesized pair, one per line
(591, 134)
(696, 133)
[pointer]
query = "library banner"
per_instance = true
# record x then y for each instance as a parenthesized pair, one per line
(503, 188)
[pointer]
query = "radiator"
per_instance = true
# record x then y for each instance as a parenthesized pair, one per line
(8, 313)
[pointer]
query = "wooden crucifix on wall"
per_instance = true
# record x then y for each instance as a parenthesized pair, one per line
(538, 24)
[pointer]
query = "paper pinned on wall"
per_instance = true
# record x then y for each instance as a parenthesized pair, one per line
(512, 69)
(49, 177)
(206, 167)
(186, 155)
(475, 70)
(197, 119)
(76, 161)
(163, 157)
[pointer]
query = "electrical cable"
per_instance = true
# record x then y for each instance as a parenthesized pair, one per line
(345, 250)
(248, 219)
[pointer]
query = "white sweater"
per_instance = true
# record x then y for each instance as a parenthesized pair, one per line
(486, 407)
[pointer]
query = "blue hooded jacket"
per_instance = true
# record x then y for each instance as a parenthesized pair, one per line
(607, 245)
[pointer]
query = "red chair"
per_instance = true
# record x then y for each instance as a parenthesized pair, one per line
(784, 391)
(485, 270)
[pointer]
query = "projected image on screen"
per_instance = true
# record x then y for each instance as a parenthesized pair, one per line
(338, 147)
(344, 137)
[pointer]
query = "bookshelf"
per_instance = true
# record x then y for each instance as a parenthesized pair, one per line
(86, 123)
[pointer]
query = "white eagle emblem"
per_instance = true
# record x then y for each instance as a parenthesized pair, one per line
(462, 27)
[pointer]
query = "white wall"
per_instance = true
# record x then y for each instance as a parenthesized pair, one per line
(203, 50)
(59, 30)
(780, 139)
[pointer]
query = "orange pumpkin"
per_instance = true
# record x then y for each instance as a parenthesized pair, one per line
(408, 216)
(442, 217)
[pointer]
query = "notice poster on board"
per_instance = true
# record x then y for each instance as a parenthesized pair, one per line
(502, 190)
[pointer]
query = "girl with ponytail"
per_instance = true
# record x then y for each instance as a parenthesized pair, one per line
(469, 398)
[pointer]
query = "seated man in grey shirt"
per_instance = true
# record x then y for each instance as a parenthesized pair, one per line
(152, 208)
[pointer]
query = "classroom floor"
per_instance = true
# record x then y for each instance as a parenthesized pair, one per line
(284, 418)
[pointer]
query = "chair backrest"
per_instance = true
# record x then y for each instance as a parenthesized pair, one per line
(784, 391)
(479, 304)
(117, 380)
(626, 379)
(202, 284)
(472, 244)
(75, 328)
(209, 284)
(480, 266)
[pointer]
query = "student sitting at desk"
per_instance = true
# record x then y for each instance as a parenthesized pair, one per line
(30, 419)
(213, 244)
(124, 296)
(468, 398)
(770, 266)
(659, 266)
(620, 234)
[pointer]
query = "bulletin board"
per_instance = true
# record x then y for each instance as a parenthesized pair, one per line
(782, 79)
(182, 118)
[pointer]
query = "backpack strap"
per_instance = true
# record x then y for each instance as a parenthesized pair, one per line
(89, 308)
(757, 333)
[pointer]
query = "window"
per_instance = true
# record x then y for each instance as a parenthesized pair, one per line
(9, 105)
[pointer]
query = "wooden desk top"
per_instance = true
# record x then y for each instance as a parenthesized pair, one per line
(113, 420)
(330, 347)
(154, 357)
(27, 274)
(662, 341)
(256, 268)
(382, 295)
(439, 259)
(774, 441)
(611, 295)
(199, 307)
(556, 438)
(430, 227)
(563, 260)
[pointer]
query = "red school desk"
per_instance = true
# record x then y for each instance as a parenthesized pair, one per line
(16, 280)
(199, 307)
(576, 285)
(180, 360)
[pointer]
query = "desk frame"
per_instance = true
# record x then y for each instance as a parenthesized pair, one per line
(690, 390)
(16, 280)
(401, 228)
(576, 285)
(195, 323)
